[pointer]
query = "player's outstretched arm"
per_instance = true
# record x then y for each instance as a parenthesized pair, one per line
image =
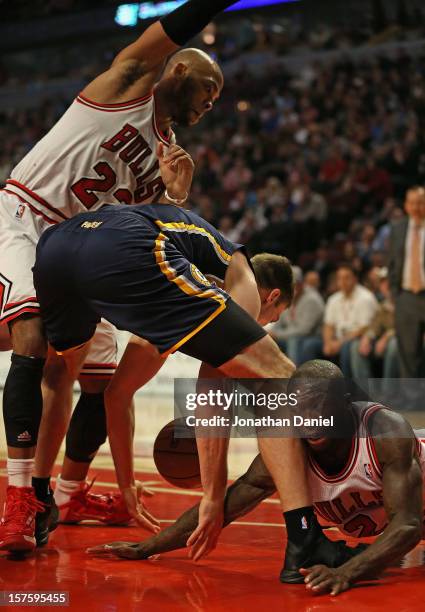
(402, 492)
(138, 65)
(172, 31)
(140, 362)
(241, 497)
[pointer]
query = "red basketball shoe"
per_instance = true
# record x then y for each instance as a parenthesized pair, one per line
(18, 522)
(107, 508)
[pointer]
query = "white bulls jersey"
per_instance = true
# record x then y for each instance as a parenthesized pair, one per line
(352, 500)
(96, 154)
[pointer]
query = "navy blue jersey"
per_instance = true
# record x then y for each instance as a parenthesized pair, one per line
(143, 268)
(174, 228)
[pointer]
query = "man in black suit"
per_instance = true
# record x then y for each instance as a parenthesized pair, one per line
(407, 279)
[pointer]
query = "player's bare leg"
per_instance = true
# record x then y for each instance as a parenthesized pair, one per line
(284, 457)
(22, 408)
(57, 405)
(60, 374)
(61, 371)
(86, 433)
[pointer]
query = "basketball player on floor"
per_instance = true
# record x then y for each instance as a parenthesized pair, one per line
(143, 269)
(368, 483)
(103, 150)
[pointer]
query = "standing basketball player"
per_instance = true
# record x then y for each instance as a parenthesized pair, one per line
(102, 150)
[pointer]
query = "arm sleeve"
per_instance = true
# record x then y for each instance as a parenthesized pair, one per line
(191, 18)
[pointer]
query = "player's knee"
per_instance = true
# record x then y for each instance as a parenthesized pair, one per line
(87, 429)
(115, 394)
(27, 337)
(22, 400)
(56, 373)
(264, 359)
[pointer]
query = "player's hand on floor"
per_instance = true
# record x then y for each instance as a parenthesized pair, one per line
(125, 550)
(132, 497)
(210, 523)
(177, 167)
(323, 579)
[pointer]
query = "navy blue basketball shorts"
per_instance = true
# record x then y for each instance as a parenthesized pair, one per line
(139, 282)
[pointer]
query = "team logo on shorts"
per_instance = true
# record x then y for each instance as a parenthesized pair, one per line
(20, 209)
(198, 276)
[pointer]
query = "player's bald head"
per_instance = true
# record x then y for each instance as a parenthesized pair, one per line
(197, 62)
(320, 387)
(191, 84)
(318, 368)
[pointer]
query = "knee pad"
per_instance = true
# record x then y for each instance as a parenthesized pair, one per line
(87, 429)
(23, 401)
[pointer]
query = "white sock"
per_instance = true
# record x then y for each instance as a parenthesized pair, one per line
(19, 472)
(64, 490)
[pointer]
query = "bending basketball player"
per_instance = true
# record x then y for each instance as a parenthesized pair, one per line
(367, 483)
(143, 269)
(103, 150)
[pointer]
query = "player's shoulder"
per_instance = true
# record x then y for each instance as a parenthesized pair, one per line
(122, 83)
(392, 435)
(385, 422)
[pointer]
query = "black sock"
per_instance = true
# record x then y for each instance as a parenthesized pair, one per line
(41, 487)
(299, 524)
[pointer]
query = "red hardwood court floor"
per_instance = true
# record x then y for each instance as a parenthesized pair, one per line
(240, 575)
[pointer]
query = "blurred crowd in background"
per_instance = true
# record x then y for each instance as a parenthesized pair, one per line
(312, 164)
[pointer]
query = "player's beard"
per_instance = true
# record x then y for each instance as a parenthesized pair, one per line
(185, 93)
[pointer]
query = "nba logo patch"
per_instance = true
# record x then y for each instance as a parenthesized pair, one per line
(20, 209)
(368, 471)
(304, 524)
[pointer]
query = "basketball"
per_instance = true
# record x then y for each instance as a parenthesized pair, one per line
(176, 458)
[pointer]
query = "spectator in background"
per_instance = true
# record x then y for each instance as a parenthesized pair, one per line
(379, 341)
(274, 193)
(407, 281)
(372, 281)
(309, 212)
(332, 170)
(298, 331)
(348, 314)
(237, 177)
(364, 247)
(322, 263)
(312, 279)
(383, 235)
(308, 205)
(226, 227)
